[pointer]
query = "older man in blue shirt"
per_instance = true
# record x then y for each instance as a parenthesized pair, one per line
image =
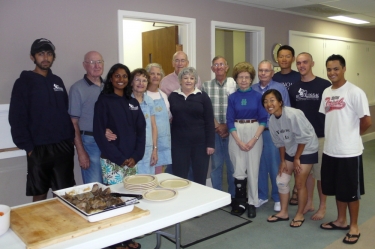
(270, 159)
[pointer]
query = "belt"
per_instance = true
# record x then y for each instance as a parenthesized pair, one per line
(87, 133)
(242, 121)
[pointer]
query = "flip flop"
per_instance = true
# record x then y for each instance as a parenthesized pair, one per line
(277, 219)
(349, 236)
(302, 221)
(333, 227)
(294, 200)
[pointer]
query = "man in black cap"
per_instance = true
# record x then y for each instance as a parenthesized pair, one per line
(40, 124)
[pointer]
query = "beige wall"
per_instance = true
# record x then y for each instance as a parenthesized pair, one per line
(238, 46)
(76, 27)
(219, 42)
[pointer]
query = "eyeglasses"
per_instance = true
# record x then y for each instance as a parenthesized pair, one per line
(99, 62)
(178, 61)
(141, 81)
(243, 78)
(219, 65)
(264, 71)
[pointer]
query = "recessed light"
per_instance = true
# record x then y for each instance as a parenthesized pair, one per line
(348, 19)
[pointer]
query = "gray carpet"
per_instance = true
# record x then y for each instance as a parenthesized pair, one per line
(207, 226)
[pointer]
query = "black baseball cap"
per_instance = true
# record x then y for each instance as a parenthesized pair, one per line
(39, 43)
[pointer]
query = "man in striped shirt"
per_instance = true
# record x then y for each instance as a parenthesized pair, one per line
(218, 89)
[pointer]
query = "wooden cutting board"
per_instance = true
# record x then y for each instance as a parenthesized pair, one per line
(46, 223)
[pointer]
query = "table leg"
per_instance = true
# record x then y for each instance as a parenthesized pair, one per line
(175, 236)
(158, 240)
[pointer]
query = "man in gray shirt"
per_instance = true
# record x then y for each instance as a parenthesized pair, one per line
(82, 97)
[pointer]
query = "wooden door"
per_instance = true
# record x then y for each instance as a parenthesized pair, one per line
(159, 46)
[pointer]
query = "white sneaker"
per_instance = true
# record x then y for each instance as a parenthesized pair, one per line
(277, 206)
(260, 203)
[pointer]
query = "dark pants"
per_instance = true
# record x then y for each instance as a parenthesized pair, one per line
(50, 166)
(182, 155)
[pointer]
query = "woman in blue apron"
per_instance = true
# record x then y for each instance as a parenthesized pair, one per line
(162, 115)
(139, 86)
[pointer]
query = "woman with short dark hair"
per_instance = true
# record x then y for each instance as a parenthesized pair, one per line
(295, 137)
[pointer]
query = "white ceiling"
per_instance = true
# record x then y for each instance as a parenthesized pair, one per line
(321, 9)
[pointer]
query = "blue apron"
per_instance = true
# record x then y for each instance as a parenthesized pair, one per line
(143, 166)
(164, 132)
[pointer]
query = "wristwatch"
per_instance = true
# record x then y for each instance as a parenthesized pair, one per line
(155, 147)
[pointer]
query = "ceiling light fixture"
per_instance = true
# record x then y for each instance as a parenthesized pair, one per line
(348, 19)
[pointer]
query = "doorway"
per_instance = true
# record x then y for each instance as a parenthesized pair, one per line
(187, 34)
(250, 46)
(233, 45)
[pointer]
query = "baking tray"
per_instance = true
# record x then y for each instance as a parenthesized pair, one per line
(93, 217)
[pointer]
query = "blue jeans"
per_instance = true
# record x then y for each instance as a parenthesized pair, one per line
(269, 164)
(220, 156)
(94, 172)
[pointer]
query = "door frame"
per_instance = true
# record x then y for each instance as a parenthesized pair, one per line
(257, 40)
(187, 31)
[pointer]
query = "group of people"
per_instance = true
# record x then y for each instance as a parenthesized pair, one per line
(318, 137)
(141, 122)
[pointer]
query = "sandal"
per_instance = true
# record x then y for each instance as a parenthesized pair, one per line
(348, 236)
(294, 199)
(277, 218)
(296, 221)
(333, 226)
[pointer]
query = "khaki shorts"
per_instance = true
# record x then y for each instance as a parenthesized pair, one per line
(315, 170)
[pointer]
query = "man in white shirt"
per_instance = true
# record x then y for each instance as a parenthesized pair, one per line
(347, 118)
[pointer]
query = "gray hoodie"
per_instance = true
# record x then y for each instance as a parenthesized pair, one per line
(293, 128)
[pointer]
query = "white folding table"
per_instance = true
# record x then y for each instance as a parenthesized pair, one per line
(190, 202)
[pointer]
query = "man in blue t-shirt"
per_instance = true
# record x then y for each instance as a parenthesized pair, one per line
(306, 95)
(285, 58)
(287, 76)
